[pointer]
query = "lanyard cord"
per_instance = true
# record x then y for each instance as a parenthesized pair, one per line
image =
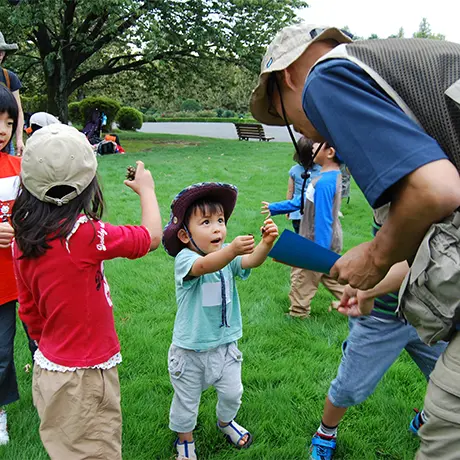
(224, 322)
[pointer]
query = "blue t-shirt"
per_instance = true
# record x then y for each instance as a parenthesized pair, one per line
(379, 143)
(296, 175)
(199, 304)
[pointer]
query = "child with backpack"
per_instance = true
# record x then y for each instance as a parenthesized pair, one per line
(60, 246)
(204, 349)
(320, 204)
(10, 167)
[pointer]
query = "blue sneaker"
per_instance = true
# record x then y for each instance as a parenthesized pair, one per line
(416, 423)
(322, 447)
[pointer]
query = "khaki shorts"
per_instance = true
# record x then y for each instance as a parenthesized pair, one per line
(440, 435)
(80, 413)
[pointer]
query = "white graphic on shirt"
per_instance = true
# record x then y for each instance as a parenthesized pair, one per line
(101, 233)
(106, 286)
(310, 193)
(211, 294)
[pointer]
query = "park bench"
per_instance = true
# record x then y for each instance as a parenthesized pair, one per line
(248, 131)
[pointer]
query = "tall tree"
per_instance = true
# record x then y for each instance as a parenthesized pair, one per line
(76, 41)
(424, 31)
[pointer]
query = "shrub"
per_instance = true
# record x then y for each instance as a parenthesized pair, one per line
(190, 105)
(109, 106)
(34, 103)
(129, 119)
(205, 114)
(228, 114)
(219, 112)
(75, 113)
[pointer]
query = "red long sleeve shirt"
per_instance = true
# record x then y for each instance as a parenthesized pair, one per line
(64, 298)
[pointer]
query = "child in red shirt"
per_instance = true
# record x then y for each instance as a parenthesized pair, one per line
(59, 249)
(10, 167)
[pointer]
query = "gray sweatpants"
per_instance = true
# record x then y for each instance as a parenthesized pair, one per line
(192, 372)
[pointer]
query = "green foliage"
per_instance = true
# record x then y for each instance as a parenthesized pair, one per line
(219, 112)
(228, 114)
(190, 105)
(200, 120)
(75, 115)
(109, 106)
(34, 103)
(129, 119)
(424, 31)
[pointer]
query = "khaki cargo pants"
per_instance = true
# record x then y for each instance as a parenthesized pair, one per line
(304, 284)
(80, 413)
(440, 435)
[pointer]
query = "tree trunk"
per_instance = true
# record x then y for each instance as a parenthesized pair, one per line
(57, 91)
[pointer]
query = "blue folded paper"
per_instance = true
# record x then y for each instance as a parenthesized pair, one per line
(297, 251)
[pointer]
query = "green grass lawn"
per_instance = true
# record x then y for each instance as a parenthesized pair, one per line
(288, 364)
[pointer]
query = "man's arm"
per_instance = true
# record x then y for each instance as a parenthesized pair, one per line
(20, 127)
(426, 196)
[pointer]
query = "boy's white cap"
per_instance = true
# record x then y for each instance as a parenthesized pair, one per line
(57, 155)
(43, 119)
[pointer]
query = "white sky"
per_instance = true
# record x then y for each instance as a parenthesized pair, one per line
(385, 17)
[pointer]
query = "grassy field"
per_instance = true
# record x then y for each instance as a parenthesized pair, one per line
(288, 364)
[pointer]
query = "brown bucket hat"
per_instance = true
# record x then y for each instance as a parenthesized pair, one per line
(288, 45)
(225, 194)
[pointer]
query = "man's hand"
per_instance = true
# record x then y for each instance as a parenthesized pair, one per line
(269, 232)
(357, 268)
(265, 209)
(355, 303)
(19, 147)
(6, 235)
(242, 245)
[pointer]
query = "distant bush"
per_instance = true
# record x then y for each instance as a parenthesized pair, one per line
(75, 113)
(34, 104)
(228, 114)
(219, 112)
(109, 106)
(205, 114)
(129, 119)
(190, 105)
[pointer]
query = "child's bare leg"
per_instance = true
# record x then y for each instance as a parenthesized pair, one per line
(185, 437)
(332, 415)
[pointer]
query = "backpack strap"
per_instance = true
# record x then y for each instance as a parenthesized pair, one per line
(7, 78)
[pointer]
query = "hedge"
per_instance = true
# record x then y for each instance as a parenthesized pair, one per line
(149, 118)
(129, 119)
(34, 103)
(75, 115)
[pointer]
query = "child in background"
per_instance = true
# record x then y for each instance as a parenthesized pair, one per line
(320, 223)
(59, 250)
(208, 325)
(296, 176)
(10, 166)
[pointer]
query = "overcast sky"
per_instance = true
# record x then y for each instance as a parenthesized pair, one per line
(385, 17)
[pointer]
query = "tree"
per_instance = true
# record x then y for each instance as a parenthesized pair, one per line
(424, 31)
(76, 41)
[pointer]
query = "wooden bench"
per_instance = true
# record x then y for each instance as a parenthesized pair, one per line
(248, 131)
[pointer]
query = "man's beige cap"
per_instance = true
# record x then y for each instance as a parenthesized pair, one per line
(57, 155)
(288, 45)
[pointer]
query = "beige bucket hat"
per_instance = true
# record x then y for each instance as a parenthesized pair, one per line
(288, 45)
(57, 155)
(7, 46)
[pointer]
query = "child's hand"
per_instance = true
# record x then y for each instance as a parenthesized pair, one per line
(242, 245)
(142, 181)
(264, 207)
(6, 235)
(269, 231)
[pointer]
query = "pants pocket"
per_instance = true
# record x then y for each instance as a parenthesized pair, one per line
(235, 353)
(176, 366)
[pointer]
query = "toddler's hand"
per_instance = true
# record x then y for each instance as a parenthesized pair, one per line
(242, 245)
(264, 208)
(143, 179)
(269, 231)
(6, 235)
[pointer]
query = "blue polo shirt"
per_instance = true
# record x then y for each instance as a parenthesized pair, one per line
(379, 143)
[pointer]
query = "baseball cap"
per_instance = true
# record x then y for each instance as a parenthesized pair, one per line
(57, 155)
(287, 46)
(43, 119)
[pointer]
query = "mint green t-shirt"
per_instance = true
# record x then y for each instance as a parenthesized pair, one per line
(199, 305)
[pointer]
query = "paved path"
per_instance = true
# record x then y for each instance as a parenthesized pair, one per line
(219, 130)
